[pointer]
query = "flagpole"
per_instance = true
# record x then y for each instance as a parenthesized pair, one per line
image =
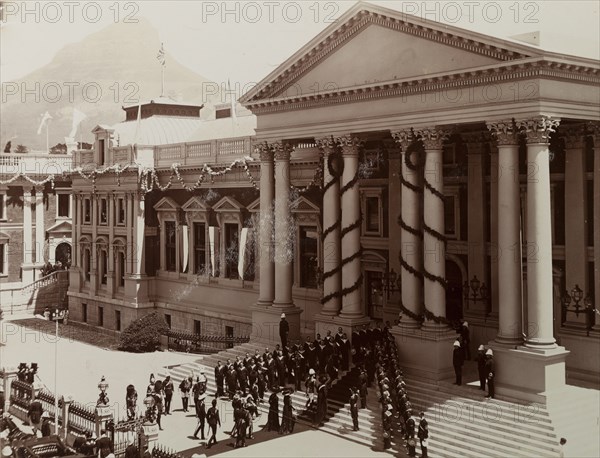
(47, 143)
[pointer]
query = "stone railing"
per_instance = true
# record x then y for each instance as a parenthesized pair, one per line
(36, 164)
(199, 153)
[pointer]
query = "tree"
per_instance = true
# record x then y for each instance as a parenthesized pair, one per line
(21, 149)
(59, 148)
(143, 335)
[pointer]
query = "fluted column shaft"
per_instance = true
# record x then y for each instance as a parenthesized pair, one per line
(284, 244)
(539, 233)
(332, 274)
(40, 230)
(350, 231)
(509, 235)
(434, 250)
(267, 195)
(411, 247)
(27, 226)
(595, 128)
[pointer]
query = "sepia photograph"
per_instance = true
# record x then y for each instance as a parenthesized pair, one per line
(329, 229)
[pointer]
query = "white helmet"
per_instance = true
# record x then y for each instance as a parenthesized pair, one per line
(311, 372)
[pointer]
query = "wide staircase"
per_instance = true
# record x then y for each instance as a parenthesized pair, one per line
(49, 291)
(461, 422)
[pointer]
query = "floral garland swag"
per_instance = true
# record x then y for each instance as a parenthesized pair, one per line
(414, 160)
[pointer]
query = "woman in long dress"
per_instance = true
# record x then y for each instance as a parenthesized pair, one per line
(287, 420)
(273, 420)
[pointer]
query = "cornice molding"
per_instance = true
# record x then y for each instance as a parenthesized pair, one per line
(506, 72)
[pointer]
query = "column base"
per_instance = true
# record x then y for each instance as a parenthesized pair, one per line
(265, 323)
(31, 272)
(137, 287)
(425, 354)
(529, 374)
(324, 323)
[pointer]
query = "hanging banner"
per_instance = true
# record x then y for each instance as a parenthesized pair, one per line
(211, 241)
(241, 258)
(186, 251)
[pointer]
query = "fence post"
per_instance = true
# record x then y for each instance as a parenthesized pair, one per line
(65, 415)
(103, 414)
(10, 374)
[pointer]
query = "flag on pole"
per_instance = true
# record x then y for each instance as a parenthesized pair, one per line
(45, 118)
(78, 116)
(161, 55)
(138, 126)
(232, 101)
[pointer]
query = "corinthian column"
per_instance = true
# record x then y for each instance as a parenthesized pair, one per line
(595, 131)
(267, 195)
(434, 249)
(411, 244)
(40, 231)
(27, 236)
(539, 232)
(350, 231)
(509, 237)
(283, 227)
(332, 274)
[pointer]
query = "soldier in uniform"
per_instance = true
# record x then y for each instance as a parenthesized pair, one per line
(458, 358)
(213, 419)
(423, 435)
(354, 407)
(220, 378)
(201, 414)
(481, 358)
(490, 370)
(284, 330)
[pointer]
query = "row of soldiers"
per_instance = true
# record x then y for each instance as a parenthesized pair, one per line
(275, 369)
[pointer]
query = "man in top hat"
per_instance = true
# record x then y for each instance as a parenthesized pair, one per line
(490, 370)
(465, 340)
(284, 330)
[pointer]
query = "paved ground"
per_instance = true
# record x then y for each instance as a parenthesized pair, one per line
(82, 365)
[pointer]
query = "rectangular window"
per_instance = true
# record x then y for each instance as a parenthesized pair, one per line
(100, 316)
(103, 211)
(121, 269)
(63, 205)
(449, 215)
(309, 260)
(2, 251)
(121, 211)
(372, 215)
(170, 246)
(200, 248)
(197, 327)
(232, 251)
(223, 113)
(2, 206)
(84, 313)
(168, 320)
(117, 320)
(87, 211)
(87, 263)
(103, 267)
(101, 152)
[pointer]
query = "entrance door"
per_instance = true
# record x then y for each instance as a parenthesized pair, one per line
(454, 299)
(229, 334)
(374, 294)
(62, 254)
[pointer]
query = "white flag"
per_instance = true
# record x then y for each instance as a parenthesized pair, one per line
(78, 116)
(45, 118)
(161, 55)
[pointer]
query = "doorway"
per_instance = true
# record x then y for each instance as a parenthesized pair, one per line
(454, 296)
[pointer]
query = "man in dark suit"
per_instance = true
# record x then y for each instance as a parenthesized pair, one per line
(458, 359)
(220, 378)
(284, 330)
(423, 434)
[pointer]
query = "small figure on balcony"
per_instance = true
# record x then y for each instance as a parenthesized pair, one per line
(103, 397)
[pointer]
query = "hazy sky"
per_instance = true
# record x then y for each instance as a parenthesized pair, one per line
(246, 40)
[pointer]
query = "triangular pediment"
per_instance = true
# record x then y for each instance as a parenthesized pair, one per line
(371, 44)
(254, 206)
(61, 227)
(303, 205)
(228, 204)
(195, 204)
(166, 204)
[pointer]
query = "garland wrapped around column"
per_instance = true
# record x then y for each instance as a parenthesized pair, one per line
(414, 159)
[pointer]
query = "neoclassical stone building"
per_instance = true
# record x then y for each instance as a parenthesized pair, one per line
(393, 168)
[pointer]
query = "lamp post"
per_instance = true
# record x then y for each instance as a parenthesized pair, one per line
(475, 290)
(55, 317)
(576, 296)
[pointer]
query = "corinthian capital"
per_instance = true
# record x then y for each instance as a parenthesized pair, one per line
(282, 151)
(504, 132)
(573, 136)
(326, 144)
(593, 129)
(349, 144)
(432, 137)
(538, 129)
(403, 137)
(264, 150)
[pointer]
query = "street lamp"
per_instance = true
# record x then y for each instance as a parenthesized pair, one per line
(103, 398)
(475, 290)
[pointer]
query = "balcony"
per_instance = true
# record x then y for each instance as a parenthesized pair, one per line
(35, 164)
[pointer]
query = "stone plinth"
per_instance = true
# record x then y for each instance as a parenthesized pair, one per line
(533, 375)
(425, 354)
(265, 323)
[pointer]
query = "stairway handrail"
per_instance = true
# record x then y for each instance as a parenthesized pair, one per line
(43, 281)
